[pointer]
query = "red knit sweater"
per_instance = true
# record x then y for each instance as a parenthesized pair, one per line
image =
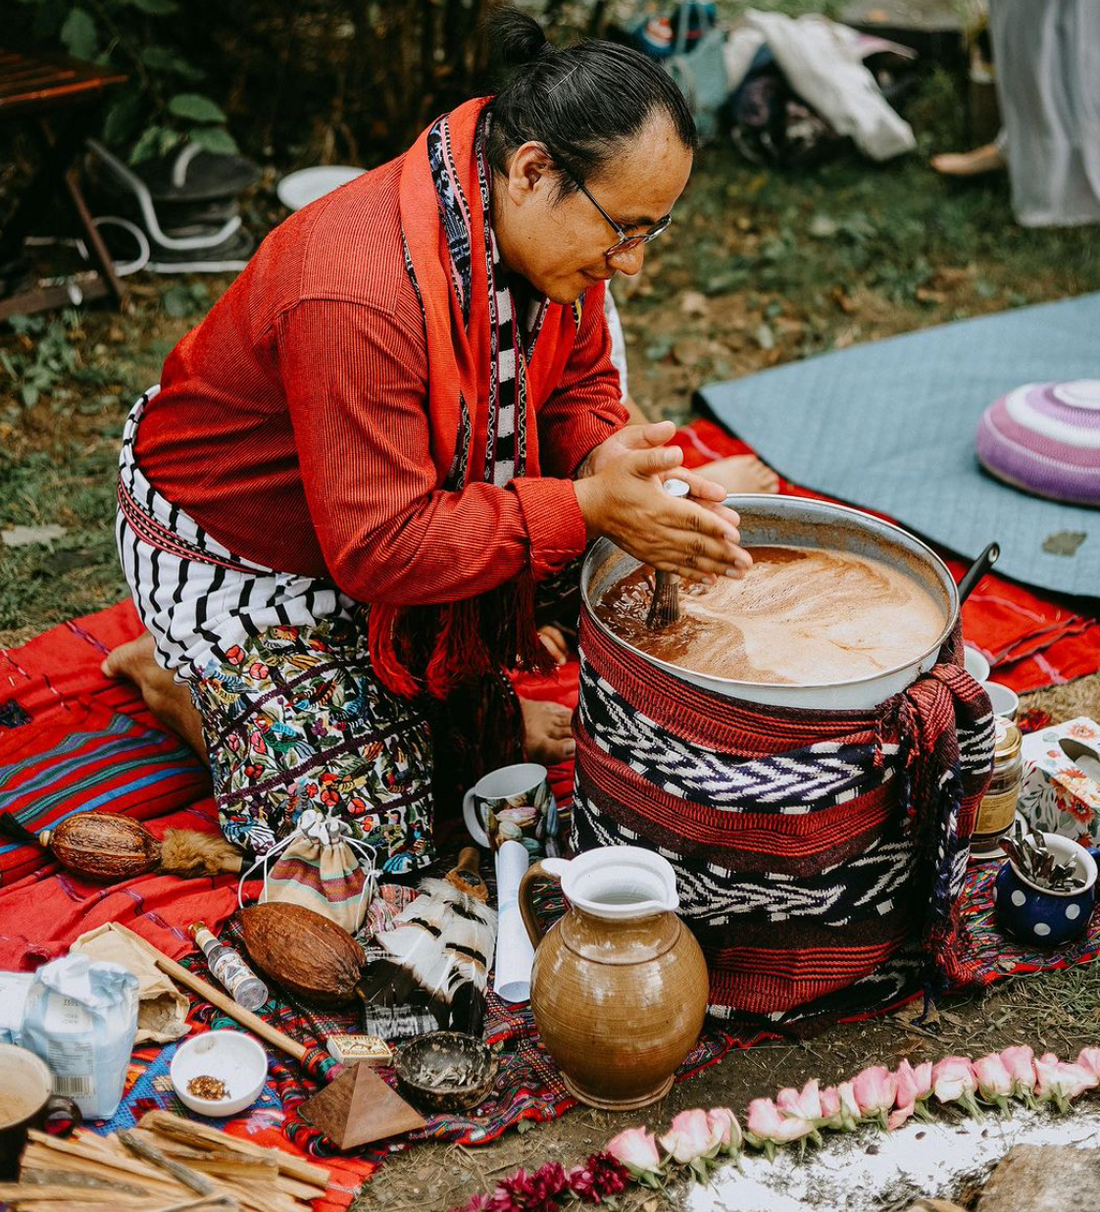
(292, 422)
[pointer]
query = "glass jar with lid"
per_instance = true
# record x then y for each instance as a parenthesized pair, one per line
(998, 807)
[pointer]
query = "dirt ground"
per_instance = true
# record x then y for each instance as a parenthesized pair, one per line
(760, 268)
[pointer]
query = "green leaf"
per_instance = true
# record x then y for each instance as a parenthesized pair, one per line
(165, 59)
(79, 34)
(168, 139)
(214, 139)
(30, 395)
(148, 145)
(122, 119)
(195, 108)
(156, 8)
(21, 323)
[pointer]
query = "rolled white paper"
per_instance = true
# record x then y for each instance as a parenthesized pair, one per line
(515, 955)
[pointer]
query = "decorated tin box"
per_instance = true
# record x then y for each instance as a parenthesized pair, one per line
(1061, 787)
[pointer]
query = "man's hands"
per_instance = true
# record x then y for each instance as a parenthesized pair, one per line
(621, 496)
(627, 439)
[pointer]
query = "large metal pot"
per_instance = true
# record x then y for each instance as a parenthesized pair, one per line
(799, 522)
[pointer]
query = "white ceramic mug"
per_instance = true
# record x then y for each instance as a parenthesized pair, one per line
(1003, 699)
(514, 803)
(26, 1102)
(976, 664)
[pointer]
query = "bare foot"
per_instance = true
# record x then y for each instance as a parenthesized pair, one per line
(167, 699)
(555, 642)
(742, 473)
(985, 159)
(547, 735)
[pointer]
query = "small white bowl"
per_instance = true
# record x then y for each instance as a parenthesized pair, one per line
(234, 1058)
(976, 664)
(1004, 700)
(308, 184)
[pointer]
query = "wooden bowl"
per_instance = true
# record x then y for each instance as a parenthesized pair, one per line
(446, 1070)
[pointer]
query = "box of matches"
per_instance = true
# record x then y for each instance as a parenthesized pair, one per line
(348, 1049)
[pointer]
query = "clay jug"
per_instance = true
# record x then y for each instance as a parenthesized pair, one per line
(619, 984)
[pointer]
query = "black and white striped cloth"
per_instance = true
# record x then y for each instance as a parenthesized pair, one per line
(196, 598)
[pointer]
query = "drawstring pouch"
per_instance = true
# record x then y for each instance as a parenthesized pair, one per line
(321, 866)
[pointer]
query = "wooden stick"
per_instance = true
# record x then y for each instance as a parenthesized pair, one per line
(198, 1183)
(77, 1168)
(92, 1184)
(142, 1174)
(208, 1201)
(215, 997)
(291, 1186)
(51, 1191)
(202, 1137)
(228, 1168)
(223, 1161)
(262, 1196)
(81, 1205)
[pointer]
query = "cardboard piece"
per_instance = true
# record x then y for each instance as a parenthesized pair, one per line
(357, 1108)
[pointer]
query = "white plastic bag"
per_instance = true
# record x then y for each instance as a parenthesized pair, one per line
(14, 987)
(80, 1018)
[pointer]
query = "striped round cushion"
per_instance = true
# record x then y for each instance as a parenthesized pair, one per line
(1045, 438)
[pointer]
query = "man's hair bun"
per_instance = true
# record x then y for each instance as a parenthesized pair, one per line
(515, 38)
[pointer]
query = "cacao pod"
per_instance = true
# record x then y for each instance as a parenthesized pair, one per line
(305, 952)
(102, 846)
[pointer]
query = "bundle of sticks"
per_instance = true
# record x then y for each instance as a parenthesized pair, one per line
(166, 1164)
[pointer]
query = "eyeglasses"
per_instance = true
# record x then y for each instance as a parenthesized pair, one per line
(624, 242)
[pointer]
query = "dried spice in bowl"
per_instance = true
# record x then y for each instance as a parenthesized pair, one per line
(205, 1086)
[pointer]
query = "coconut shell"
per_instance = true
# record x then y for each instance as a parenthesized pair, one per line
(102, 846)
(303, 951)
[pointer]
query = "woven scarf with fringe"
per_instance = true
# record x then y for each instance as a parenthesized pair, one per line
(485, 380)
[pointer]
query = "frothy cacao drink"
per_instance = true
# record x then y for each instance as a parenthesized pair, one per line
(800, 615)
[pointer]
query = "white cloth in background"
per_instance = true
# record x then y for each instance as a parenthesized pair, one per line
(822, 62)
(618, 341)
(1046, 55)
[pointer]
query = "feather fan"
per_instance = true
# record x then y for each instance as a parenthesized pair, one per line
(441, 949)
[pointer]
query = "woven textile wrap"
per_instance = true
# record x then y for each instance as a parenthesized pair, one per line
(819, 855)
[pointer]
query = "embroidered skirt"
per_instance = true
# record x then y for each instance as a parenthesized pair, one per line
(279, 669)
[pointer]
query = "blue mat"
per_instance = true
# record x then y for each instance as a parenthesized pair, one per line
(890, 426)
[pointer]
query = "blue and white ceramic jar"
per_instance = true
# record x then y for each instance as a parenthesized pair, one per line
(1038, 915)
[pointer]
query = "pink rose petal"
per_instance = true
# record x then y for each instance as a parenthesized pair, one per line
(724, 1125)
(690, 1137)
(1090, 1059)
(875, 1089)
(1019, 1060)
(953, 1079)
(994, 1080)
(805, 1103)
(914, 1085)
(767, 1123)
(637, 1150)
